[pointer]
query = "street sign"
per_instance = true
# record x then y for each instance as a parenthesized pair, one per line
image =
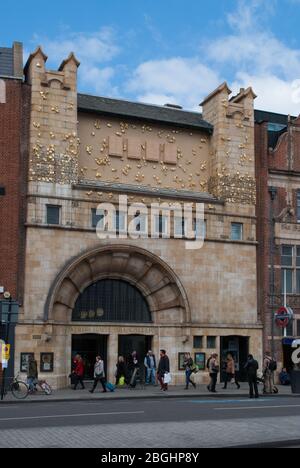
(283, 317)
(9, 311)
(5, 352)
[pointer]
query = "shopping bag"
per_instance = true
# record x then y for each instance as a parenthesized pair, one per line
(122, 381)
(167, 378)
(110, 386)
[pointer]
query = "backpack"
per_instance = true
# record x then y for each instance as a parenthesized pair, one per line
(272, 365)
(207, 363)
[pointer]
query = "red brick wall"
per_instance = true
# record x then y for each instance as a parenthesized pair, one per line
(14, 131)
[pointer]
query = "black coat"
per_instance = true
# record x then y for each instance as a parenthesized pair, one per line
(163, 366)
(252, 367)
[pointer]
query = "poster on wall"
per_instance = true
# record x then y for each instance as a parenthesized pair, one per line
(47, 362)
(200, 361)
(24, 358)
(181, 366)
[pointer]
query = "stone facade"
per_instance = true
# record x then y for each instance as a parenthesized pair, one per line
(79, 159)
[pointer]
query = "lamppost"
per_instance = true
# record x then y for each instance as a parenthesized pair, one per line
(9, 311)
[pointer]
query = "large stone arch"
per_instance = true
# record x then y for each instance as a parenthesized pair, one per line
(157, 282)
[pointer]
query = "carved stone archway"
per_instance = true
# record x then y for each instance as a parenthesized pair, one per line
(147, 272)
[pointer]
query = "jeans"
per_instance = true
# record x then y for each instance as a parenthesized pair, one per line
(213, 381)
(150, 376)
(101, 380)
(30, 382)
(188, 374)
(253, 388)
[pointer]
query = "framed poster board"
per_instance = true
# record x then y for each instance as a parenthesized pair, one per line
(200, 361)
(181, 356)
(47, 362)
(24, 358)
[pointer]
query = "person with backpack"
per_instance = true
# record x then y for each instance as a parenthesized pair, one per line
(99, 375)
(214, 369)
(252, 367)
(270, 366)
(189, 369)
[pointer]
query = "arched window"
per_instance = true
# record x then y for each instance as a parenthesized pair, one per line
(111, 301)
(2, 92)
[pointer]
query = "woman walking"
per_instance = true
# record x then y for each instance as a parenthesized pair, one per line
(99, 375)
(230, 372)
(79, 372)
(121, 371)
(188, 364)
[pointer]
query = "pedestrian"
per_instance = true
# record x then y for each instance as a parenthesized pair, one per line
(79, 372)
(99, 375)
(214, 369)
(163, 369)
(230, 373)
(284, 377)
(121, 372)
(269, 367)
(32, 374)
(150, 365)
(189, 365)
(134, 368)
(252, 367)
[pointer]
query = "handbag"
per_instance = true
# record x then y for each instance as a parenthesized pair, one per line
(167, 378)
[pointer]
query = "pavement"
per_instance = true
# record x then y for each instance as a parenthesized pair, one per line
(148, 392)
(178, 423)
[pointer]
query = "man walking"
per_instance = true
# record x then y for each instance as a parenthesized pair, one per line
(150, 364)
(252, 368)
(99, 375)
(214, 369)
(163, 368)
(270, 367)
(32, 374)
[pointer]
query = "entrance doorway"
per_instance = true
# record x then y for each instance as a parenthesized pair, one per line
(139, 343)
(238, 347)
(89, 346)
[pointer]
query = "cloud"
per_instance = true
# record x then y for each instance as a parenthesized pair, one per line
(94, 50)
(176, 80)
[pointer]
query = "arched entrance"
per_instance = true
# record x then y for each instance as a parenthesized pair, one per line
(148, 273)
(118, 296)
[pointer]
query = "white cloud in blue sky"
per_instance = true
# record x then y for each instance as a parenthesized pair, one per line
(170, 51)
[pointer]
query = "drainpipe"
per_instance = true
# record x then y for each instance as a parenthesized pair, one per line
(273, 193)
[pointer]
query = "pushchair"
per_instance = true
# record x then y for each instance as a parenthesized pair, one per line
(262, 381)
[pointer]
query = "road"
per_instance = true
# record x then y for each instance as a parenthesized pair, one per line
(174, 423)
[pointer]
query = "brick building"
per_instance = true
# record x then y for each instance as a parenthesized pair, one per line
(277, 141)
(14, 131)
(109, 296)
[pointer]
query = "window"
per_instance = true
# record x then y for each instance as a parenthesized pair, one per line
(298, 327)
(161, 225)
(199, 228)
(53, 214)
(298, 206)
(119, 221)
(290, 269)
(211, 342)
(198, 342)
(97, 218)
(236, 231)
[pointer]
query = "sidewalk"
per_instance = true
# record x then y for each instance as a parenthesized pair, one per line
(142, 393)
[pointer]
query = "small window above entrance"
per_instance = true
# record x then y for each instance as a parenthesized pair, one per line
(111, 301)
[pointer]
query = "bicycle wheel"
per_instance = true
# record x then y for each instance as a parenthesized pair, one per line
(19, 390)
(47, 389)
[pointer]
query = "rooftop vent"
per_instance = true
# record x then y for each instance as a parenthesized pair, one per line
(173, 106)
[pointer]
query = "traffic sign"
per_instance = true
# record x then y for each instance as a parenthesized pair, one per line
(283, 317)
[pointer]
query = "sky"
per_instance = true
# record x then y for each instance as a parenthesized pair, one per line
(167, 51)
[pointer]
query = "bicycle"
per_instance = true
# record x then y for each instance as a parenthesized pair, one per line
(41, 386)
(18, 388)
